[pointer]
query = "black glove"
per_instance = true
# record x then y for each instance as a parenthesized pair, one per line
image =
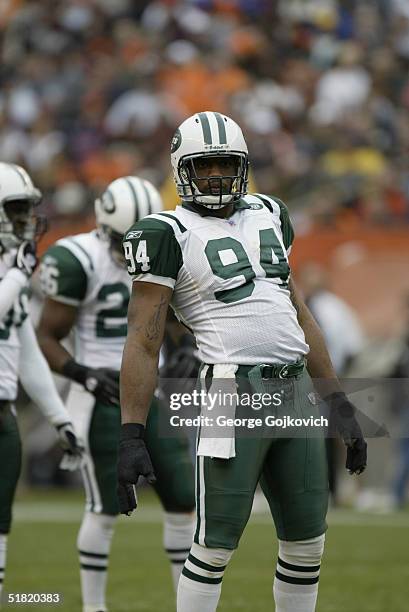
(343, 419)
(133, 461)
(26, 258)
(73, 450)
(103, 383)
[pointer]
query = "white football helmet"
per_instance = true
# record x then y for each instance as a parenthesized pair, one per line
(206, 135)
(18, 196)
(124, 201)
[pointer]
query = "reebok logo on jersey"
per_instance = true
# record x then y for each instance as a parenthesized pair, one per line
(134, 234)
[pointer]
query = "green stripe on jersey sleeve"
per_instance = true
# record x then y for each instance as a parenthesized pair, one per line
(62, 275)
(286, 225)
(150, 247)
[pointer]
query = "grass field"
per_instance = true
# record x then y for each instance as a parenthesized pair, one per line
(365, 569)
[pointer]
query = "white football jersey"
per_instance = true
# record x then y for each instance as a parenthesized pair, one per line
(229, 276)
(79, 270)
(10, 342)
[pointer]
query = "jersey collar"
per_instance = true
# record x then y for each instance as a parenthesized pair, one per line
(205, 212)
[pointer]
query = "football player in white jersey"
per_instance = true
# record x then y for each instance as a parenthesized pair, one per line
(20, 355)
(87, 290)
(221, 261)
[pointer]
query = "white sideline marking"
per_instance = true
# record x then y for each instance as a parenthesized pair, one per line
(38, 512)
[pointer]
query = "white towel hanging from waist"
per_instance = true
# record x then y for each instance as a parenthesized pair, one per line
(211, 444)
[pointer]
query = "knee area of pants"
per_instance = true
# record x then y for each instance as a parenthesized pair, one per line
(216, 557)
(180, 496)
(302, 551)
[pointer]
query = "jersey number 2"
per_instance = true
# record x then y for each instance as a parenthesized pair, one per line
(111, 321)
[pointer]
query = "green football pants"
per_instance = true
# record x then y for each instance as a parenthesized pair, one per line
(10, 464)
(170, 458)
(292, 473)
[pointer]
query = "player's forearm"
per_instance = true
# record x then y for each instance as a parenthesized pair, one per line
(146, 325)
(138, 381)
(55, 353)
(319, 361)
(35, 376)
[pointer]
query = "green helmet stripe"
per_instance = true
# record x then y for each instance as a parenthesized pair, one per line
(207, 134)
(148, 198)
(111, 195)
(135, 198)
(222, 128)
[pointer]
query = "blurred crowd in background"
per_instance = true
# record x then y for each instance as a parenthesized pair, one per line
(93, 89)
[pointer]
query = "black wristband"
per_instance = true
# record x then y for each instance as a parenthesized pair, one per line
(340, 402)
(75, 371)
(132, 431)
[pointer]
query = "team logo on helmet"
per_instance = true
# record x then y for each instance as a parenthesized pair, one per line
(176, 141)
(108, 203)
(255, 206)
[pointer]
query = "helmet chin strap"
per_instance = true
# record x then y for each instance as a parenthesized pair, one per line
(212, 206)
(212, 202)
